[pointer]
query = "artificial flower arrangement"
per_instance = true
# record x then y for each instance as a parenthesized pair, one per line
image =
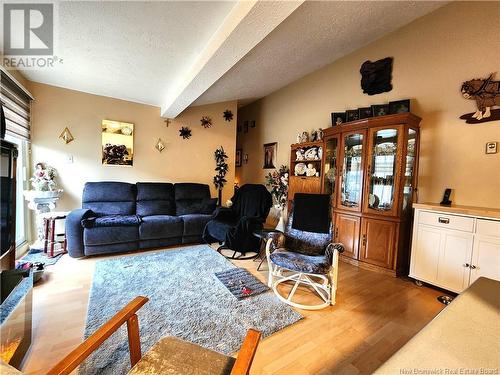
(44, 178)
(278, 182)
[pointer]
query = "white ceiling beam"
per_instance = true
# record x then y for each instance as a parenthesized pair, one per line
(248, 23)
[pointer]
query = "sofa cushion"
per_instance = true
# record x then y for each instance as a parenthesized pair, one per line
(110, 235)
(155, 198)
(194, 224)
(192, 198)
(109, 198)
(196, 206)
(160, 226)
(111, 221)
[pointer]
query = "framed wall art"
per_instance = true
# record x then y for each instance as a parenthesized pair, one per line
(117, 141)
(270, 150)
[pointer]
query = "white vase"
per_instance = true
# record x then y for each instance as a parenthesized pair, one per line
(281, 223)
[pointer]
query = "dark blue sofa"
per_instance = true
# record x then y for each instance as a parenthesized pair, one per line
(118, 216)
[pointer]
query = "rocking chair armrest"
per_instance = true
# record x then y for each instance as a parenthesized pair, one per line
(332, 247)
(275, 240)
(336, 246)
(246, 354)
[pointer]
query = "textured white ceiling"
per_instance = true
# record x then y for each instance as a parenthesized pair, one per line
(167, 53)
(130, 50)
(316, 34)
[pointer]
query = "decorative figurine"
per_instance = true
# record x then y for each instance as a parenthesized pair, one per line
(299, 154)
(310, 171)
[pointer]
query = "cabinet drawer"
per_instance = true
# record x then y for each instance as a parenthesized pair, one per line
(488, 228)
(443, 220)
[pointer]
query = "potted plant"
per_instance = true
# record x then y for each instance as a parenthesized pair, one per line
(221, 168)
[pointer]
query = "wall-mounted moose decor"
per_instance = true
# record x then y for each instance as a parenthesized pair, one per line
(376, 76)
(486, 93)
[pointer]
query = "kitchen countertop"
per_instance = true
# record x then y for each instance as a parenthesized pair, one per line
(464, 210)
(465, 336)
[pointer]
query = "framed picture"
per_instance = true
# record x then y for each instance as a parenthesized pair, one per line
(270, 150)
(245, 126)
(239, 153)
(352, 115)
(380, 110)
(338, 118)
(364, 112)
(117, 141)
(400, 106)
(252, 124)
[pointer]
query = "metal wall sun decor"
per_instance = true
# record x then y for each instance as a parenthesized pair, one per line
(206, 122)
(228, 115)
(376, 76)
(185, 132)
(486, 93)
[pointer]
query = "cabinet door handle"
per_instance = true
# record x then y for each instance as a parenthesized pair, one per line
(466, 265)
(472, 266)
(364, 239)
(444, 220)
(337, 232)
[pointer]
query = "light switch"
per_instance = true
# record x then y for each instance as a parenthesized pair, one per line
(69, 159)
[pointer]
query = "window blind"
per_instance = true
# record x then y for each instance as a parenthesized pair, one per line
(16, 106)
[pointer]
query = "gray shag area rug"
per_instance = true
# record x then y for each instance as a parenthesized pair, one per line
(186, 301)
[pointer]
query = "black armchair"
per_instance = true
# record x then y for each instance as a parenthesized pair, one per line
(233, 226)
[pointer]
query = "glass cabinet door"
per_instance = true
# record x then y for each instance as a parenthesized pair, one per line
(382, 170)
(410, 165)
(352, 171)
(330, 169)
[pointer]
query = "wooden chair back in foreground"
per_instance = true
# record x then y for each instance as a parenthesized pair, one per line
(160, 359)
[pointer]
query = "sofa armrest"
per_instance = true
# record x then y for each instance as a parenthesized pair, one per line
(223, 214)
(74, 231)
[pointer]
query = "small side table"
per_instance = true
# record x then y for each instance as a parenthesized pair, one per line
(263, 234)
(51, 238)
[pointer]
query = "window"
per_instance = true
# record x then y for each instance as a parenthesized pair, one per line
(22, 225)
(16, 103)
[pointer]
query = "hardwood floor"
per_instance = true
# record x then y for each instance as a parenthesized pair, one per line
(374, 316)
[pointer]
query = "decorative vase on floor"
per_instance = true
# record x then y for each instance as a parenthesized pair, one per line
(281, 222)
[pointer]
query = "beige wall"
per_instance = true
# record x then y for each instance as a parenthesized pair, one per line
(182, 161)
(432, 57)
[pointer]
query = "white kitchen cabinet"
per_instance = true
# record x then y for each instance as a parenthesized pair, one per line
(453, 246)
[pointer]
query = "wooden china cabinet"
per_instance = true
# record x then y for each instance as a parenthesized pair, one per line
(304, 184)
(370, 168)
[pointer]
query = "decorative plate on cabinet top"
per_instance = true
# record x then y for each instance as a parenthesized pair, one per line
(300, 169)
